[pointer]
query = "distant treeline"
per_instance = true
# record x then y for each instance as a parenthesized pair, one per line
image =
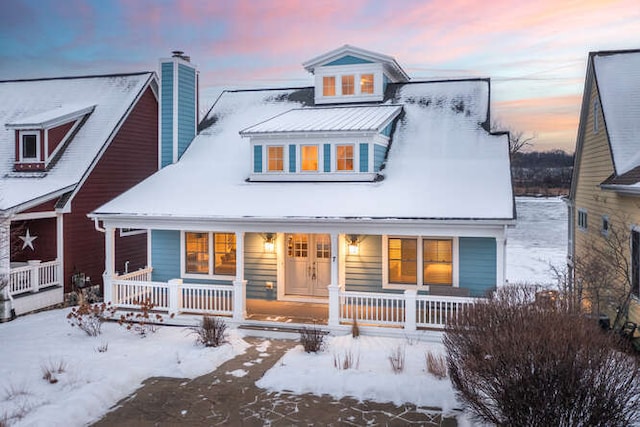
(542, 172)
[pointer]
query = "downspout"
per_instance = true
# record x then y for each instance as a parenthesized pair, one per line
(97, 227)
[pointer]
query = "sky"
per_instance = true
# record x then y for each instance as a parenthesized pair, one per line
(535, 52)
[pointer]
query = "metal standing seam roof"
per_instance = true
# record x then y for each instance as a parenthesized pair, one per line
(328, 119)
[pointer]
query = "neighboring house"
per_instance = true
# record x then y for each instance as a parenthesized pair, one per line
(605, 189)
(354, 198)
(68, 145)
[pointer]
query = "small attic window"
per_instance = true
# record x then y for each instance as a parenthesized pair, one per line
(347, 85)
(329, 86)
(366, 83)
(596, 126)
(29, 146)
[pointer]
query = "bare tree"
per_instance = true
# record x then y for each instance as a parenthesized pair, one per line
(518, 141)
(520, 360)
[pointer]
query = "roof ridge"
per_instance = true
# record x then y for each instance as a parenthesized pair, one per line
(88, 76)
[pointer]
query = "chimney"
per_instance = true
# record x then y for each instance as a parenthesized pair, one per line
(178, 106)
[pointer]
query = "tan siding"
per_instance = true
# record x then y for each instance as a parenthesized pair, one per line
(596, 165)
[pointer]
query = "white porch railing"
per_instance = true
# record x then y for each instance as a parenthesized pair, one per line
(377, 309)
(174, 296)
(436, 311)
(32, 277)
(141, 275)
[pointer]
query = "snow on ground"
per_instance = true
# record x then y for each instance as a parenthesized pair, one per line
(538, 241)
(371, 377)
(92, 381)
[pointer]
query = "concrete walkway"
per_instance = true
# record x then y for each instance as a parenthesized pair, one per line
(228, 396)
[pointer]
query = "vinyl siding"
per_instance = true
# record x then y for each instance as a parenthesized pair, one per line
(166, 102)
(259, 267)
(477, 261)
(165, 254)
(379, 152)
(348, 60)
(363, 272)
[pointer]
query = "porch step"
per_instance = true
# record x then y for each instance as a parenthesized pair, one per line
(280, 331)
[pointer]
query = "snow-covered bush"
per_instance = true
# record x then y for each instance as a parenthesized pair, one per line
(436, 365)
(515, 361)
(89, 317)
(396, 359)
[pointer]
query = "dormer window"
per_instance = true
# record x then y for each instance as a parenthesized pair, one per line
(346, 143)
(328, 86)
(347, 85)
(30, 147)
(366, 84)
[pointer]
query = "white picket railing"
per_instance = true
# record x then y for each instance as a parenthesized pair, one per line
(141, 275)
(372, 308)
(131, 293)
(436, 311)
(32, 277)
(207, 299)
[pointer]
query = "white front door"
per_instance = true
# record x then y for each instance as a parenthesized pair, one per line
(308, 264)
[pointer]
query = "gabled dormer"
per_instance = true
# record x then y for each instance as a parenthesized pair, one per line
(41, 138)
(332, 143)
(350, 74)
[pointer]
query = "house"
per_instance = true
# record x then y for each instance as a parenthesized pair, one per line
(605, 190)
(67, 146)
(361, 197)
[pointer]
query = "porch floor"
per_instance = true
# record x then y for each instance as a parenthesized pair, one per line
(287, 311)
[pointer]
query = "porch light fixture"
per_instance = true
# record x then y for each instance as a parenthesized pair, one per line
(352, 244)
(269, 243)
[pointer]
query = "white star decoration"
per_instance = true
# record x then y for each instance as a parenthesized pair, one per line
(27, 240)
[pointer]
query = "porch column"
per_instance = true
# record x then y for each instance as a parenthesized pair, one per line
(175, 296)
(334, 287)
(34, 271)
(5, 269)
(109, 263)
(501, 248)
(60, 249)
(410, 296)
(239, 284)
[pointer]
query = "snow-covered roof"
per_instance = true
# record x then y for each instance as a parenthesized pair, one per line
(441, 165)
(43, 101)
(58, 115)
(618, 78)
(370, 118)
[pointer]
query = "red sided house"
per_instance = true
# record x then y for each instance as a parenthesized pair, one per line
(67, 146)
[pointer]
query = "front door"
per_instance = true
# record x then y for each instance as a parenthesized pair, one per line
(308, 264)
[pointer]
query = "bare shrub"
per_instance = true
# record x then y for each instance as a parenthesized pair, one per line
(513, 361)
(210, 332)
(311, 339)
(346, 361)
(51, 370)
(89, 317)
(355, 329)
(143, 321)
(12, 391)
(436, 365)
(396, 359)
(102, 348)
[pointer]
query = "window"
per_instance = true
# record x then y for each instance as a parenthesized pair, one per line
(329, 86)
(275, 158)
(210, 253)
(605, 225)
(225, 254)
(437, 261)
(344, 157)
(403, 257)
(582, 219)
(197, 253)
(366, 84)
(595, 116)
(29, 146)
(347, 85)
(132, 231)
(635, 262)
(309, 155)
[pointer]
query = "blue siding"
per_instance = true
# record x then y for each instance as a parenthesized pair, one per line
(165, 254)
(363, 272)
(292, 158)
(364, 157)
(385, 82)
(257, 158)
(477, 264)
(387, 130)
(166, 152)
(378, 156)
(260, 267)
(348, 60)
(327, 158)
(186, 107)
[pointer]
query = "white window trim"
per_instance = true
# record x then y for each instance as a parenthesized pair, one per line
(265, 158)
(356, 70)
(124, 232)
(579, 223)
(605, 218)
(596, 116)
(356, 157)
(209, 275)
(455, 273)
(320, 149)
(20, 145)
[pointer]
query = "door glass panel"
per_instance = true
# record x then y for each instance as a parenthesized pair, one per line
(298, 246)
(323, 247)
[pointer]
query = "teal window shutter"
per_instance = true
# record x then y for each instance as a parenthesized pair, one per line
(327, 157)
(257, 159)
(364, 157)
(292, 158)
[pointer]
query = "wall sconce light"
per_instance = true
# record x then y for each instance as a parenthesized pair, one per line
(269, 242)
(352, 244)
